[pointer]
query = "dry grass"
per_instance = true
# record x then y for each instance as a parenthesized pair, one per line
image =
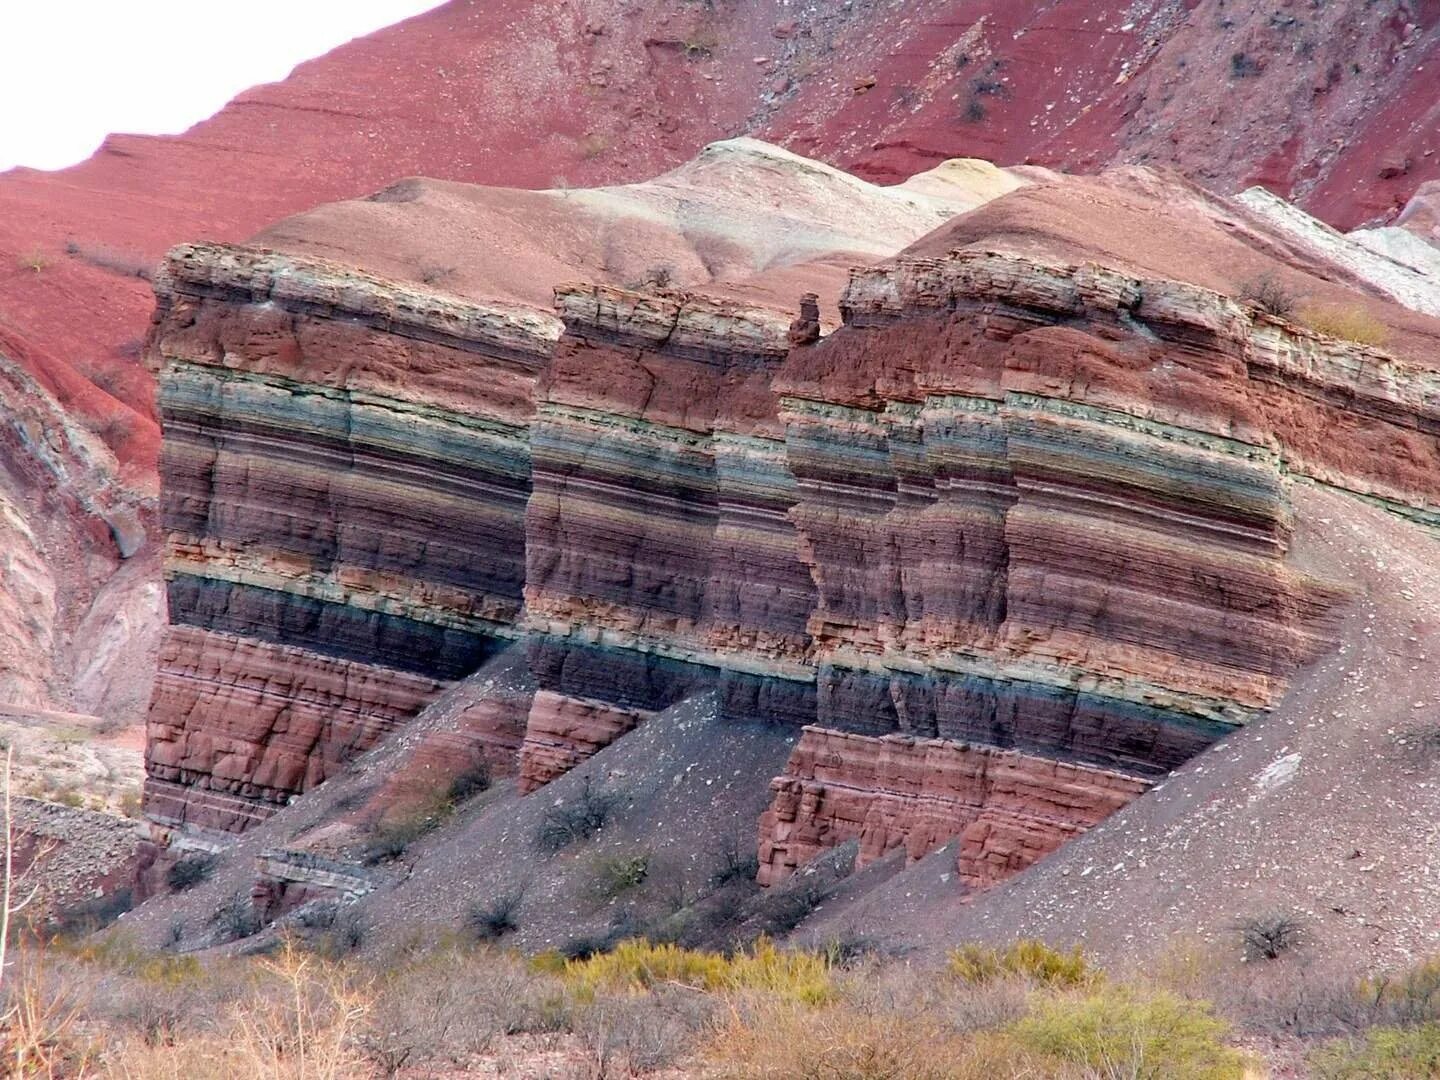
(110, 1009)
(1349, 323)
(841, 1041)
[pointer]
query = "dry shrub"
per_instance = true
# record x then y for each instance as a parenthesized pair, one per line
(1349, 323)
(453, 1003)
(641, 965)
(1270, 935)
(769, 1037)
(631, 1034)
(494, 919)
(1269, 294)
(963, 1007)
(35, 260)
(117, 261)
(40, 1030)
(301, 1020)
(1305, 995)
(577, 818)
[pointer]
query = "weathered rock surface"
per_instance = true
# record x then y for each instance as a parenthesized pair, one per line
(1008, 809)
(1336, 109)
(348, 456)
(346, 473)
(1013, 541)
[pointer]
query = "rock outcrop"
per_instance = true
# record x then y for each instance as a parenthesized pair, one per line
(547, 93)
(1009, 545)
(347, 467)
(348, 461)
(1007, 808)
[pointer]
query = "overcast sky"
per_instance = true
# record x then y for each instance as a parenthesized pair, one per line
(72, 71)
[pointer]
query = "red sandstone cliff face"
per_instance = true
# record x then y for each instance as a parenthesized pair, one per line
(1012, 541)
(1334, 104)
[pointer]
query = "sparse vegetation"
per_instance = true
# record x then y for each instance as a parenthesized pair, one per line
(434, 274)
(468, 783)
(618, 874)
(734, 862)
(392, 836)
(1245, 66)
(766, 1038)
(1383, 1052)
(94, 913)
(1271, 935)
(577, 818)
(124, 263)
(1026, 959)
(189, 871)
(493, 919)
(782, 910)
(1270, 295)
(759, 1012)
(33, 260)
(591, 146)
(236, 918)
(1349, 323)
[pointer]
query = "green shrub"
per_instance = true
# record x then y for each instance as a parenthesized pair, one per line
(637, 964)
(1115, 1032)
(1026, 959)
(618, 874)
(1386, 1053)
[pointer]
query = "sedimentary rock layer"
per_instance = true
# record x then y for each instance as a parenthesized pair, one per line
(347, 466)
(658, 545)
(1027, 506)
(1010, 544)
(1008, 809)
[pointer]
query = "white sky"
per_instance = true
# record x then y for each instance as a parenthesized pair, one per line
(72, 71)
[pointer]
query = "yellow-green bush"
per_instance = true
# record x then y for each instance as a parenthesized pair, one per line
(1386, 1053)
(1122, 1032)
(846, 1041)
(638, 965)
(1348, 323)
(1025, 959)
(1409, 998)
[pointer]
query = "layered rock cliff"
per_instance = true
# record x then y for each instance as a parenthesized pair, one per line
(348, 458)
(1334, 100)
(1009, 545)
(347, 467)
